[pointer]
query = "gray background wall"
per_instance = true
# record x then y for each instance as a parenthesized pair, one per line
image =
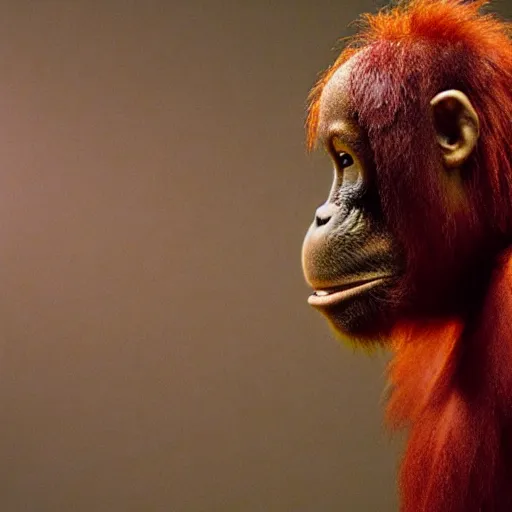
(156, 350)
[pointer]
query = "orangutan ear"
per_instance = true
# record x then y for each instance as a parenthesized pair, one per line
(457, 126)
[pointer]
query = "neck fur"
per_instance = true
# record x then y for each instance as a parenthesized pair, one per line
(451, 387)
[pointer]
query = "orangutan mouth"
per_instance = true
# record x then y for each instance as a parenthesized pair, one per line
(337, 294)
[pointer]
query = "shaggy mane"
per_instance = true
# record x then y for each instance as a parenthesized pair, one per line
(434, 21)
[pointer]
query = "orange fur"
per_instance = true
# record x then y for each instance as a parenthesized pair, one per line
(453, 389)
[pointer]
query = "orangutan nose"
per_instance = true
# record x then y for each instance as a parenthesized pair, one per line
(324, 214)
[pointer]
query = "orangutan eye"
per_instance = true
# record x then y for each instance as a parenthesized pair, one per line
(345, 160)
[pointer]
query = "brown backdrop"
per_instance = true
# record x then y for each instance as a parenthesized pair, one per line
(156, 351)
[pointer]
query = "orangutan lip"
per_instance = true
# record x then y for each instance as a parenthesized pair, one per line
(337, 294)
